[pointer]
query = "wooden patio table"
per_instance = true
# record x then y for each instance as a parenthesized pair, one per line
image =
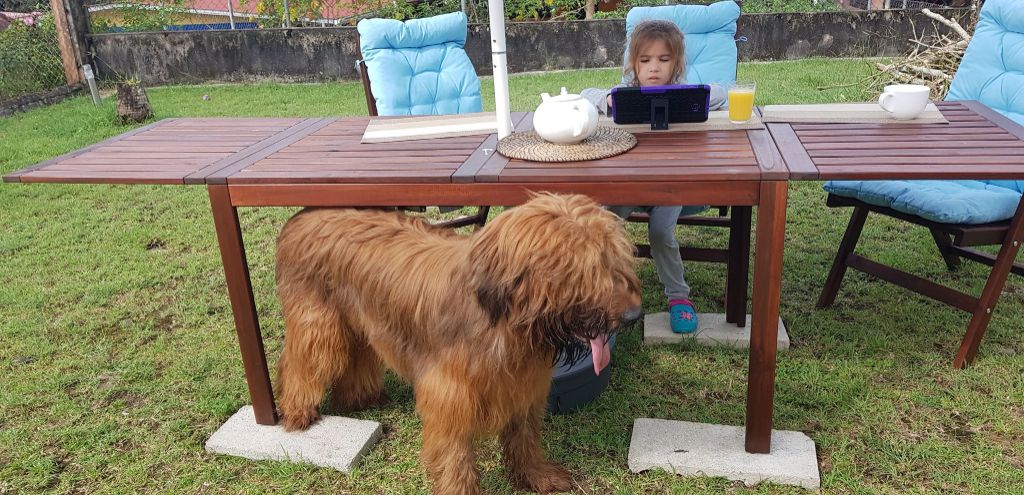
(978, 143)
(320, 162)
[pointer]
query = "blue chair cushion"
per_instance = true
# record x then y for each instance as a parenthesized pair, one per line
(943, 201)
(992, 69)
(709, 33)
(992, 72)
(420, 67)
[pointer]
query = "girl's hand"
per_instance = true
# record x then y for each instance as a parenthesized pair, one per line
(609, 100)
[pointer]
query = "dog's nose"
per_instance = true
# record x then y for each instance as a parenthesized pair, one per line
(631, 315)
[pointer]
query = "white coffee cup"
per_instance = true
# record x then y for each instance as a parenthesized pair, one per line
(904, 101)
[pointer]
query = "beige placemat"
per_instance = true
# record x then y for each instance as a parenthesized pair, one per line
(717, 121)
(603, 143)
(845, 113)
(429, 127)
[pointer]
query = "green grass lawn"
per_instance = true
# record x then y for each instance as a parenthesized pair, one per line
(119, 357)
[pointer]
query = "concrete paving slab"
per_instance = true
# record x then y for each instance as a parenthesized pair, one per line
(697, 449)
(333, 442)
(712, 330)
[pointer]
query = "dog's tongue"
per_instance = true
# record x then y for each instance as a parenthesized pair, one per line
(601, 354)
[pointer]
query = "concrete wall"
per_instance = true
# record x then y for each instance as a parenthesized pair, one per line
(317, 54)
(35, 100)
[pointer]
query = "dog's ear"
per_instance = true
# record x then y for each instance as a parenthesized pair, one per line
(495, 296)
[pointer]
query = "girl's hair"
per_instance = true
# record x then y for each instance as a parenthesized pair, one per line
(650, 31)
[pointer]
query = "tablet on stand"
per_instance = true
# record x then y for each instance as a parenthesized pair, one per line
(661, 105)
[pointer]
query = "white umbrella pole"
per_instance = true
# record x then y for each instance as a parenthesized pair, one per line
(496, 10)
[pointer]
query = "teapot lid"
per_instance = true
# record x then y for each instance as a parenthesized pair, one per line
(565, 96)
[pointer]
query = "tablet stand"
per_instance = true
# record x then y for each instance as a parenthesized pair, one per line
(659, 114)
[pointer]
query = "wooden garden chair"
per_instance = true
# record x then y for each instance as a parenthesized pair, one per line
(960, 215)
(422, 49)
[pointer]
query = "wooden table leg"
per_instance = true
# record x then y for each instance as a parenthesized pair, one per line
(764, 326)
(737, 277)
(993, 287)
(236, 271)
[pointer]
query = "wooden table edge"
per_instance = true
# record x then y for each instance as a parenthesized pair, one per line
(995, 117)
(798, 161)
(737, 193)
(769, 160)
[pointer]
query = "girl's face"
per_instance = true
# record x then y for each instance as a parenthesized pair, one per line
(655, 64)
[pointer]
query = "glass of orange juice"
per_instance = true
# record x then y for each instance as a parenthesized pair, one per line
(741, 101)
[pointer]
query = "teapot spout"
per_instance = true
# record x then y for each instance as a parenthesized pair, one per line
(545, 97)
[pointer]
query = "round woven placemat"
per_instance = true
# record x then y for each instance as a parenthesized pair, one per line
(604, 142)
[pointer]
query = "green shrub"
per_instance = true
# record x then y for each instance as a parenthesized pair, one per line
(134, 16)
(748, 6)
(536, 10)
(29, 59)
(768, 6)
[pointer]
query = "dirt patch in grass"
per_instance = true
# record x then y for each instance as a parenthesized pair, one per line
(959, 429)
(125, 445)
(61, 459)
(107, 381)
(128, 400)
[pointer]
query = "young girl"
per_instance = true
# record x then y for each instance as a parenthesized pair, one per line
(656, 59)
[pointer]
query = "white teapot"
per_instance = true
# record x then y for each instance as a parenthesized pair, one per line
(565, 118)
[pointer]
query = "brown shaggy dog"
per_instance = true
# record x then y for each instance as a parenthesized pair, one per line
(473, 322)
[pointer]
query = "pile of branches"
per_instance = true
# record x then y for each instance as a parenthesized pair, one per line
(934, 60)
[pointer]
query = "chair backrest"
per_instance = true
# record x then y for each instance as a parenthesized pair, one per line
(710, 35)
(992, 69)
(419, 67)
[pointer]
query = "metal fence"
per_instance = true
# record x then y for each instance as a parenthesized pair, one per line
(907, 4)
(29, 58)
(194, 15)
(190, 15)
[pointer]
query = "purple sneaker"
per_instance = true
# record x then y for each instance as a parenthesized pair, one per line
(681, 316)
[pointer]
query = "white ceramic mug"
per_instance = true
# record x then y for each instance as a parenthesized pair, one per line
(904, 101)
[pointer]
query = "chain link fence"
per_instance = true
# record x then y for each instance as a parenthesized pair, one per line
(29, 58)
(195, 15)
(907, 4)
(150, 15)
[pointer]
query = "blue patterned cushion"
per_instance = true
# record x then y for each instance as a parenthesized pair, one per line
(420, 67)
(709, 32)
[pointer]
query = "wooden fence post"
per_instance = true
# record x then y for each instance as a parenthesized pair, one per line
(72, 24)
(67, 48)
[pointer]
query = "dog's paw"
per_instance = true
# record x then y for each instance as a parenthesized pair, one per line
(300, 420)
(547, 477)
